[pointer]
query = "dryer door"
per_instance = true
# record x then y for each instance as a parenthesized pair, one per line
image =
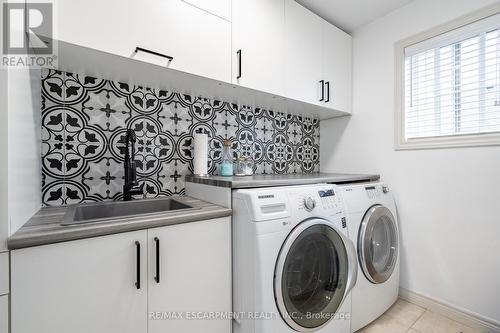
(313, 274)
(378, 244)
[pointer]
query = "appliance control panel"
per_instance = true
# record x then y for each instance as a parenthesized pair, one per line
(321, 199)
(373, 191)
(329, 199)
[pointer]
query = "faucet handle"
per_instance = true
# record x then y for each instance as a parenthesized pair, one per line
(136, 189)
(132, 177)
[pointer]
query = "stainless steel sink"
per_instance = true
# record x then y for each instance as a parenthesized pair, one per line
(106, 211)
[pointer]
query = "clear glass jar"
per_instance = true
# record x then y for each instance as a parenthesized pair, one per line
(240, 166)
(249, 166)
(226, 168)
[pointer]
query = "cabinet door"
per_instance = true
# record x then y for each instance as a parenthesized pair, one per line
(199, 42)
(304, 53)
(80, 286)
(195, 276)
(258, 33)
(4, 273)
(337, 70)
(4, 314)
(109, 26)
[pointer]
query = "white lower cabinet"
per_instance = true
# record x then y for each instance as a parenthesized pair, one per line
(107, 284)
(4, 314)
(4, 273)
(195, 276)
(80, 286)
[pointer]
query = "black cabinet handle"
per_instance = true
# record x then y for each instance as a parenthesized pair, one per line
(138, 277)
(322, 82)
(327, 92)
(140, 49)
(239, 63)
(157, 277)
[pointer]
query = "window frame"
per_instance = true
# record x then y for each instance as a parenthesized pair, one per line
(451, 141)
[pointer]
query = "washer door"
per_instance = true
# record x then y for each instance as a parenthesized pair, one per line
(313, 274)
(378, 244)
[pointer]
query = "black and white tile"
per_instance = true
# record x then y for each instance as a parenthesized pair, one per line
(84, 120)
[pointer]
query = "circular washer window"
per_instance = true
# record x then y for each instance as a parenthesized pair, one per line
(311, 275)
(378, 244)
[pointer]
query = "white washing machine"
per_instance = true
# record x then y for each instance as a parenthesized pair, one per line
(293, 263)
(373, 227)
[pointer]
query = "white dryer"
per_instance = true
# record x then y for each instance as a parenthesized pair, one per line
(293, 263)
(373, 227)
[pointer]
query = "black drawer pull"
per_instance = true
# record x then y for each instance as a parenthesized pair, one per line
(157, 277)
(322, 82)
(327, 91)
(239, 64)
(140, 49)
(138, 277)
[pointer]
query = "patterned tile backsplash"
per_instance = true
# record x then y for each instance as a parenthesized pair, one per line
(84, 120)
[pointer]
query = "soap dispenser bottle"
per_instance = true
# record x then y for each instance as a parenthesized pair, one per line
(226, 168)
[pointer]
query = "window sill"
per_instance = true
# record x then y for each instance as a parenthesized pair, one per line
(454, 141)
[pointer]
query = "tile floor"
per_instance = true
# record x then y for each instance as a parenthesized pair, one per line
(405, 317)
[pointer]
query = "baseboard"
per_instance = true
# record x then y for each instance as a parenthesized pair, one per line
(462, 316)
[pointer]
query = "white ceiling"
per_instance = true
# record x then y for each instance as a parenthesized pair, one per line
(348, 15)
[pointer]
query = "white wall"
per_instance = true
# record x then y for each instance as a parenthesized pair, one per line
(24, 155)
(4, 219)
(20, 148)
(448, 199)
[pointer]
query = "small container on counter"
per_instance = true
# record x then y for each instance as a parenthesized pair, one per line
(226, 167)
(240, 166)
(249, 166)
(243, 166)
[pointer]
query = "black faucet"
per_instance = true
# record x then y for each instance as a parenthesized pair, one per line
(131, 187)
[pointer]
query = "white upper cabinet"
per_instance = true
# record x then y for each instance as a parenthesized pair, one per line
(108, 26)
(319, 61)
(221, 8)
(258, 45)
(198, 42)
(304, 52)
(337, 68)
(274, 46)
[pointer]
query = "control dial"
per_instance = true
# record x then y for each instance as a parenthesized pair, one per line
(309, 203)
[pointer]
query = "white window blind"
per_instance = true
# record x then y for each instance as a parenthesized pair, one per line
(452, 82)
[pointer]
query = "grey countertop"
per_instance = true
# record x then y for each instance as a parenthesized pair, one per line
(45, 228)
(281, 180)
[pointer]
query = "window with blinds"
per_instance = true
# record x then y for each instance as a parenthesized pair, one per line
(452, 83)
